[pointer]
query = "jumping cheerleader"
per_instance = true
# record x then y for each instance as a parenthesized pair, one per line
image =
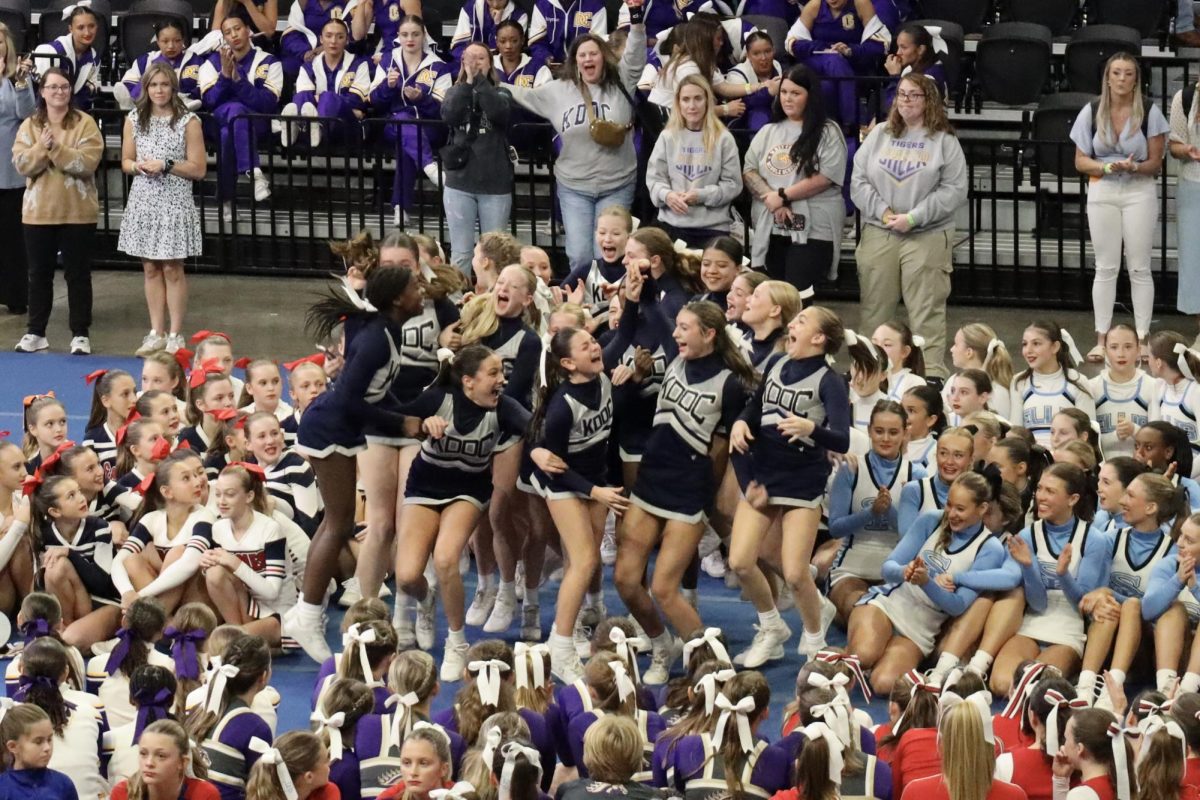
(602, 276)
(1050, 383)
(976, 346)
(769, 310)
(113, 399)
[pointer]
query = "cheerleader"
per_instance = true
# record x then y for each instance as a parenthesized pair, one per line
(164, 370)
(1171, 603)
(905, 358)
(926, 421)
(1152, 513)
(1176, 367)
(410, 84)
(1058, 566)
(228, 443)
(602, 276)
(150, 692)
(704, 389)
(169, 767)
(612, 757)
(209, 391)
(290, 480)
(346, 702)
(967, 758)
(336, 83)
(513, 65)
(1126, 397)
(188, 639)
(896, 627)
(169, 37)
(426, 757)
(1050, 383)
(41, 615)
(236, 80)
(465, 415)
(769, 310)
(954, 455)
(1020, 465)
(1094, 747)
(141, 445)
(967, 394)
(797, 417)
(759, 67)
(1050, 705)
(331, 432)
(303, 39)
(306, 380)
(1072, 425)
(170, 515)
(1163, 447)
(298, 755)
(862, 512)
(163, 408)
(75, 55)
(108, 674)
(370, 647)
(113, 399)
(45, 422)
(868, 378)
(739, 295)
(687, 708)
(261, 391)
(720, 264)
(613, 691)
(225, 725)
(976, 347)
(214, 348)
(105, 499)
(27, 733)
(479, 20)
(360, 613)
(16, 542)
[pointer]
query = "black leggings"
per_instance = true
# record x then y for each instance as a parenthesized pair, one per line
(43, 243)
(801, 265)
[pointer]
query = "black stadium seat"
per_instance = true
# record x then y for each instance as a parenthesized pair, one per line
(952, 35)
(970, 14)
(138, 24)
(1012, 62)
(1057, 15)
(1052, 122)
(1144, 16)
(774, 27)
(16, 15)
(1090, 47)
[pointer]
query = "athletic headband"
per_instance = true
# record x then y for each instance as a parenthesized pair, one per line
(740, 711)
(272, 757)
(332, 724)
(819, 730)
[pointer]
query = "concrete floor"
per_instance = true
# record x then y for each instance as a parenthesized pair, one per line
(265, 316)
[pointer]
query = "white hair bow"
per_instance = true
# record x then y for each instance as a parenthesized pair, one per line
(1069, 341)
(543, 368)
(216, 686)
(1058, 700)
(939, 44)
(69, 10)
(628, 648)
(1155, 723)
(536, 662)
(918, 341)
(272, 757)
(808, 293)
(444, 354)
(355, 298)
(625, 686)
(511, 752)
(853, 338)
(993, 343)
(491, 741)
(741, 711)
(458, 791)
(853, 663)
(1117, 734)
(432, 726)
(681, 247)
(542, 298)
(487, 679)
(711, 637)
(708, 685)
(6, 703)
(746, 345)
(836, 715)
(333, 724)
(355, 636)
(401, 716)
(981, 701)
(819, 730)
(1185, 368)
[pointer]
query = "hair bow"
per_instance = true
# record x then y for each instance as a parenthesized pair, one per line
(808, 293)
(94, 376)
(981, 701)
(432, 726)
(69, 10)
(487, 679)
(1058, 700)
(120, 652)
(184, 444)
(491, 741)
(272, 757)
(918, 341)
(681, 247)
(216, 685)
(530, 658)
(30, 399)
(1072, 350)
(1185, 368)
(356, 636)
(625, 685)
(119, 436)
(1020, 695)
(34, 629)
(315, 358)
(741, 342)
(1146, 708)
(992, 344)
(628, 648)
(1155, 723)
(836, 714)
(50, 462)
(243, 362)
(511, 752)
(256, 471)
(458, 791)
(31, 483)
(544, 358)
(27, 682)
(401, 717)
(740, 711)
(4, 434)
(919, 684)
(853, 663)
(183, 357)
(445, 355)
(209, 366)
(200, 336)
(153, 705)
(853, 338)
(184, 652)
(819, 730)
(711, 637)
(1117, 734)
(146, 483)
(708, 685)
(331, 724)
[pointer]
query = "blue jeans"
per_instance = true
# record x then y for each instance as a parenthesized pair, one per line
(463, 211)
(579, 213)
(1185, 17)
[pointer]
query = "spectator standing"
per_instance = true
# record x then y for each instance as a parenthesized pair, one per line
(17, 101)
(1185, 146)
(57, 150)
(163, 149)
(909, 178)
(478, 171)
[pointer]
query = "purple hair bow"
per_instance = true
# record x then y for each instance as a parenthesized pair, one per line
(152, 706)
(183, 650)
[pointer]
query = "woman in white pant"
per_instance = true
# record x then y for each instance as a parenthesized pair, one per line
(1119, 142)
(1185, 146)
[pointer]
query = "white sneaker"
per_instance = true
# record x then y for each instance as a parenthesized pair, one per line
(828, 614)
(310, 638)
(286, 130)
(583, 640)
(1103, 700)
(503, 611)
(531, 623)
(709, 541)
(150, 343)
(351, 593)
(426, 631)
(81, 346)
(565, 664)
(766, 646)
(174, 343)
(262, 187)
(31, 344)
(406, 635)
(608, 547)
(661, 662)
(454, 662)
(713, 564)
(481, 606)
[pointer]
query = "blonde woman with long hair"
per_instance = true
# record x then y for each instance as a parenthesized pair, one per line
(976, 346)
(694, 172)
(17, 102)
(968, 751)
(1119, 143)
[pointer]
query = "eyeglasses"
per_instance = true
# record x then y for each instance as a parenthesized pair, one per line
(58, 87)
(910, 95)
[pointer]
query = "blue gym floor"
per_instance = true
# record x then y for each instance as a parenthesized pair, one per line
(294, 674)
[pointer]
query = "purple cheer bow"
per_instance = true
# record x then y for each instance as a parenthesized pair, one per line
(183, 650)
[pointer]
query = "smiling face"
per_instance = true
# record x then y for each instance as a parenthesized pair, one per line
(165, 411)
(612, 233)
(1109, 489)
(56, 92)
(512, 293)
(232, 500)
(805, 337)
(761, 56)
(736, 301)
(758, 306)
(1136, 506)
(88, 472)
(693, 105)
(590, 62)
(486, 385)
(954, 456)
(690, 335)
(887, 434)
(962, 512)
(910, 100)
(264, 437)
(1189, 540)
(1054, 502)
(717, 270)
(587, 357)
(1039, 352)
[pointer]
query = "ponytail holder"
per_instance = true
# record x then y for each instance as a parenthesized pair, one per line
(69, 10)
(216, 686)
(1185, 368)
(740, 711)
(710, 637)
(628, 648)
(487, 679)
(1152, 725)
(708, 685)
(401, 716)
(94, 376)
(153, 705)
(1075, 356)
(625, 686)
(201, 335)
(355, 635)
(34, 629)
(120, 652)
(529, 658)
(981, 701)
(315, 358)
(332, 724)
(511, 752)
(544, 356)
(444, 355)
(1057, 700)
(184, 652)
(27, 682)
(992, 344)
(819, 730)
(1117, 734)
(918, 341)
(1020, 696)
(29, 399)
(256, 471)
(458, 791)
(853, 662)
(490, 742)
(272, 757)
(808, 293)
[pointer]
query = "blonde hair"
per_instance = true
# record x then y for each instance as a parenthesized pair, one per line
(479, 319)
(968, 760)
(412, 671)
(621, 213)
(935, 119)
(365, 610)
(787, 297)
(612, 749)
(684, 267)
(501, 248)
(478, 774)
(1103, 119)
(998, 365)
(711, 129)
(11, 54)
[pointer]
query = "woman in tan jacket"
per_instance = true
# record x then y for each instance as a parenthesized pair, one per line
(58, 150)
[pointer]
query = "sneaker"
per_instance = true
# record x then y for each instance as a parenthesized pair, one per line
(531, 623)
(314, 135)
(426, 631)
(713, 564)
(310, 638)
(565, 664)
(406, 635)
(709, 541)
(174, 343)
(503, 611)
(766, 646)
(454, 662)
(262, 187)
(81, 346)
(786, 600)
(661, 662)
(351, 593)
(828, 615)
(593, 614)
(1103, 700)
(608, 547)
(31, 344)
(150, 343)
(481, 606)
(583, 640)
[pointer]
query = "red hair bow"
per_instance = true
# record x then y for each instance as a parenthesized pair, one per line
(242, 362)
(254, 469)
(51, 461)
(133, 417)
(146, 484)
(209, 366)
(200, 336)
(223, 414)
(184, 444)
(94, 376)
(32, 482)
(183, 357)
(240, 425)
(161, 449)
(29, 399)
(315, 358)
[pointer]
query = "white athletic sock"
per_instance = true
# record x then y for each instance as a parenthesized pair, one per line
(309, 613)
(1118, 676)
(488, 581)
(981, 662)
(1190, 682)
(455, 637)
(662, 641)
(1086, 687)
(946, 662)
(769, 619)
(557, 640)
(814, 638)
(1164, 679)
(508, 591)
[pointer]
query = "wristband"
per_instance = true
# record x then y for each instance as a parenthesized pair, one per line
(783, 194)
(912, 223)
(637, 13)
(1108, 168)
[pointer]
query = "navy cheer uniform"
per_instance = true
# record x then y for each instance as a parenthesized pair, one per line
(91, 554)
(578, 423)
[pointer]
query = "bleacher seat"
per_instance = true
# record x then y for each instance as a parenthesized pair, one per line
(952, 35)
(137, 26)
(1012, 63)
(52, 25)
(16, 14)
(1091, 47)
(1057, 15)
(1144, 16)
(970, 14)
(775, 27)
(1052, 122)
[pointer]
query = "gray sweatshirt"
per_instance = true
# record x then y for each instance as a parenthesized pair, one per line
(582, 164)
(680, 163)
(15, 105)
(488, 171)
(917, 174)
